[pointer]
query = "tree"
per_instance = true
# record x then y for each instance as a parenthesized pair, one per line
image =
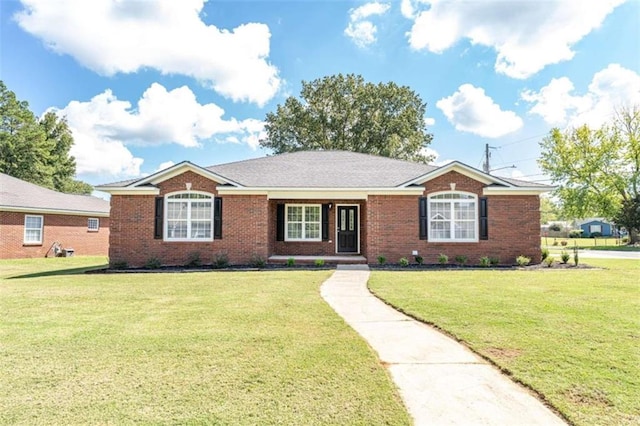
(36, 150)
(345, 113)
(598, 171)
(549, 210)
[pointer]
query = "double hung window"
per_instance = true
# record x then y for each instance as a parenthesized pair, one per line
(189, 217)
(453, 216)
(303, 222)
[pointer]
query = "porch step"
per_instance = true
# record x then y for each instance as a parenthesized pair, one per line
(310, 260)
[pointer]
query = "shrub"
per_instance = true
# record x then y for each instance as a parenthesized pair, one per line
(443, 258)
(555, 227)
(193, 259)
(625, 240)
(291, 262)
(419, 260)
(545, 253)
(563, 243)
(220, 260)
(596, 234)
(548, 261)
(257, 261)
(382, 260)
(461, 259)
(493, 260)
(523, 260)
(575, 256)
(575, 233)
(564, 256)
(319, 262)
(485, 262)
(555, 242)
(153, 263)
(404, 262)
(120, 264)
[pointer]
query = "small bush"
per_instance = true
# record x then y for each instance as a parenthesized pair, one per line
(565, 256)
(596, 234)
(319, 262)
(575, 233)
(443, 259)
(575, 257)
(548, 261)
(120, 264)
(193, 259)
(625, 240)
(419, 260)
(257, 261)
(523, 260)
(555, 242)
(404, 262)
(563, 243)
(545, 253)
(382, 260)
(555, 227)
(291, 262)
(153, 263)
(461, 259)
(485, 262)
(220, 260)
(493, 260)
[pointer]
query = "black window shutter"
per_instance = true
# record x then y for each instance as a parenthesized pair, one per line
(424, 226)
(325, 222)
(157, 225)
(484, 221)
(217, 218)
(280, 223)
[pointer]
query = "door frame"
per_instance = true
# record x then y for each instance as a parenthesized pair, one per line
(357, 206)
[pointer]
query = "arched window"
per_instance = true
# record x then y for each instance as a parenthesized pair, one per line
(189, 217)
(453, 216)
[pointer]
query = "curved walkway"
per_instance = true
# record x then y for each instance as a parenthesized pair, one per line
(440, 380)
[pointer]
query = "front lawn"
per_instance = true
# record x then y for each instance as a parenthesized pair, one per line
(572, 335)
(198, 348)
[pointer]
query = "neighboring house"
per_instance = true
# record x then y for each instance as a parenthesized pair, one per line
(599, 225)
(320, 204)
(33, 219)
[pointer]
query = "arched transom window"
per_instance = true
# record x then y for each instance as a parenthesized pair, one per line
(189, 217)
(453, 216)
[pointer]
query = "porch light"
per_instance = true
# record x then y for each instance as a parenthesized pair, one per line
(330, 206)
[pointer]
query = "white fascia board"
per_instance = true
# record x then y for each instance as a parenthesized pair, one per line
(129, 190)
(35, 210)
(462, 169)
(515, 191)
(319, 193)
(177, 170)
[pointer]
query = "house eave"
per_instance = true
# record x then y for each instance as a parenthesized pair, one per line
(179, 169)
(43, 211)
(129, 190)
(514, 191)
(461, 168)
(319, 193)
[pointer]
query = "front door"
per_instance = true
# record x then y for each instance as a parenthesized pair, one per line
(347, 229)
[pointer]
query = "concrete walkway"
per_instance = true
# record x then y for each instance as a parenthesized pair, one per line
(440, 381)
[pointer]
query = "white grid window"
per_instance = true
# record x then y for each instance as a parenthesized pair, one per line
(453, 216)
(33, 229)
(189, 217)
(303, 222)
(93, 224)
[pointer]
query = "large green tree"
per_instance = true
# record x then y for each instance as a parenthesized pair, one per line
(346, 113)
(598, 171)
(36, 150)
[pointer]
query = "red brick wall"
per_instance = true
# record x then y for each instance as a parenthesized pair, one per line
(514, 226)
(69, 231)
(244, 227)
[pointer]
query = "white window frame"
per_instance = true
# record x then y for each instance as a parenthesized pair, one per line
(304, 222)
(40, 229)
(595, 228)
(432, 199)
(95, 228)
(189, 201)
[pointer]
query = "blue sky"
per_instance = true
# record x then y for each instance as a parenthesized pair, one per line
(148, 83)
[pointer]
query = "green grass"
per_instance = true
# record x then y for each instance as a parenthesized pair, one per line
(588, 243)
(572, 335)
(198, 348)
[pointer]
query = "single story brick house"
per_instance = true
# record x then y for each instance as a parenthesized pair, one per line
(323, 204)
(34, 220)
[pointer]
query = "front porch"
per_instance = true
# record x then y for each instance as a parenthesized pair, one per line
(310, 260)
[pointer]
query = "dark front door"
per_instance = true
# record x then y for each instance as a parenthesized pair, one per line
(347, 229)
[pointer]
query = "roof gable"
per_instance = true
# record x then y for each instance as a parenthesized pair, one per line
(461, 168)
(178, 169)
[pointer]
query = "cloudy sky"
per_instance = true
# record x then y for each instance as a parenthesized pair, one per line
(148, 83)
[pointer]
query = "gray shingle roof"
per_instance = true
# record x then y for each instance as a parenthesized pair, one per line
(16, 194)
(322, 169)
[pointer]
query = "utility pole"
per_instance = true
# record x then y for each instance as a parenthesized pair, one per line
(487, 156)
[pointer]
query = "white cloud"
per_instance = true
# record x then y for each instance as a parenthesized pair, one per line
(429, 121)
(471, 110)
(104, 126)
(165, 165)
(125, 36)
(527, 35)
(430, 152)
(610, 89)
(361, 30)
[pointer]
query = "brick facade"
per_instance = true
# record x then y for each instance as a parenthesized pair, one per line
(388, 226)
(70, 231)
